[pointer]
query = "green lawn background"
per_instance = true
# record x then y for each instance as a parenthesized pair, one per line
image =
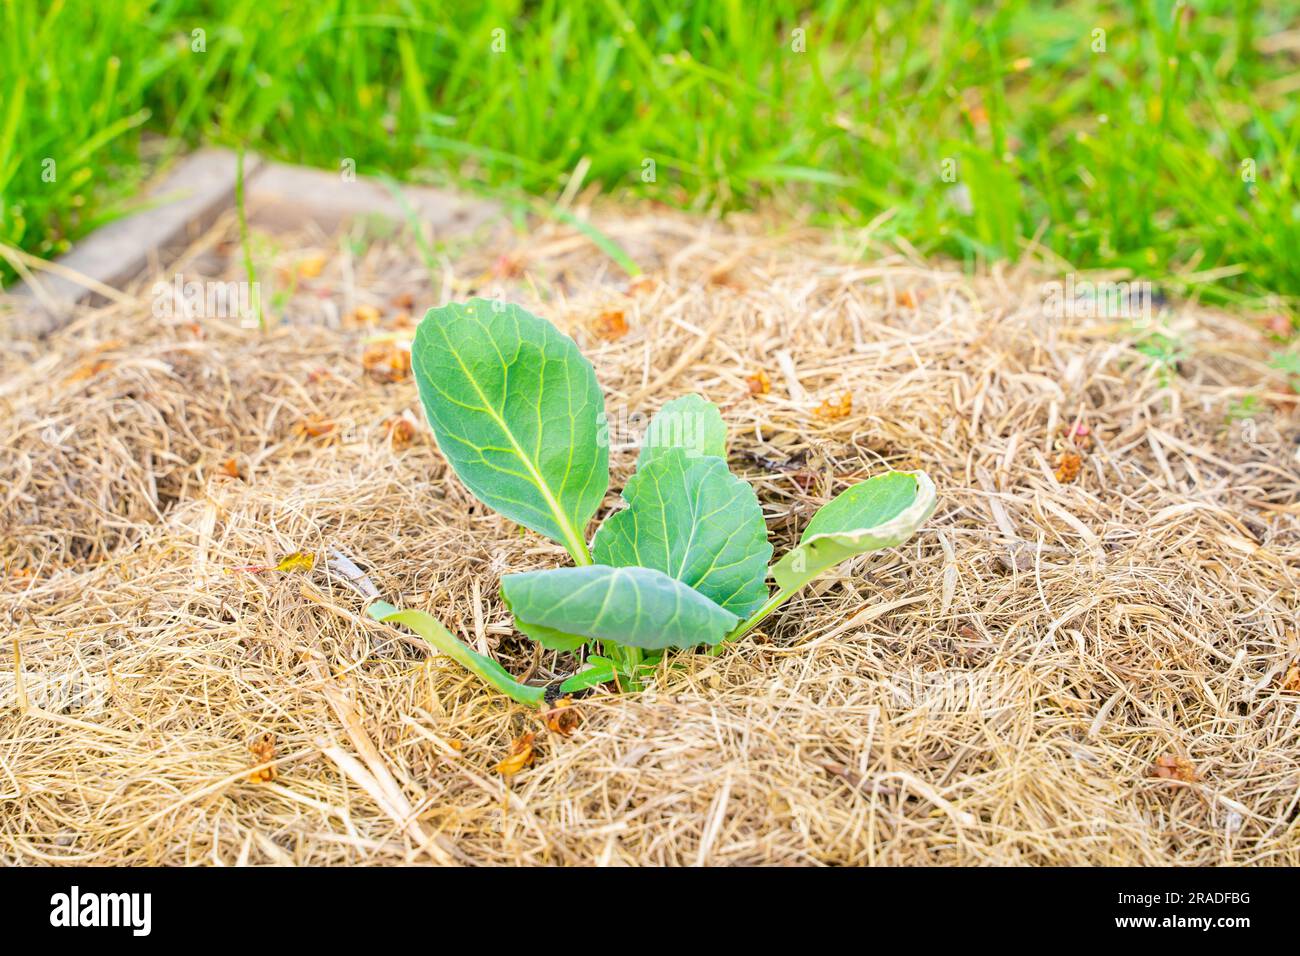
(1158, 138)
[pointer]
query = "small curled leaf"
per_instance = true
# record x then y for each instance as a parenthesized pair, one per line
(881, 512)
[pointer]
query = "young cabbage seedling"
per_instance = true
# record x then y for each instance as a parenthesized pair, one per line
(517, 412)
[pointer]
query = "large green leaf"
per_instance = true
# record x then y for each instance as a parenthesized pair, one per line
(517, 411)
(689, 422)
(881, 512)
(634, 607)
(690, 518)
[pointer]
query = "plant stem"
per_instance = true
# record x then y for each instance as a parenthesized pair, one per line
(578, 550)
(626, 661)
(432, 630)
(772, 603)
(634, 658)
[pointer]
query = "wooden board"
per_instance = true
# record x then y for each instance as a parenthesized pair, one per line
(283, 198)
(279, 198)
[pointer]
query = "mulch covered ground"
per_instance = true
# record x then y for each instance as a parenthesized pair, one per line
(1088, 655)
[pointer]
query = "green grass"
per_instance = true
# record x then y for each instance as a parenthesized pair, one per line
(1130, 158)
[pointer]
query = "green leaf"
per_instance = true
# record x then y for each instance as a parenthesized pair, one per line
(690, 518)
(635, 607)
(689, 422)
(431, 629)
(881, 512)
(552, 639)
(517, 411)
(599, 670)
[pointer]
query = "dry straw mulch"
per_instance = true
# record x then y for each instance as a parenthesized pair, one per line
(1078, 660)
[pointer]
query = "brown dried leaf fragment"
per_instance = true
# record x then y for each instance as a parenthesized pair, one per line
(804, 480)
(363, 316)
(610, 325)
(521, 756)
(315, 426)
(640, 284)
(311, 267)
(563, 718)
(1291, 681)
(400, 430)
(1173, 767)
(1068, 466)
(833, 410)
(88, 370)
(263, 750)
(507, 266)
(725, 277)
(298, 561)
(386, 362)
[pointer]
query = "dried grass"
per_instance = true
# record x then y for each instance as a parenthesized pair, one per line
(1090, 672)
